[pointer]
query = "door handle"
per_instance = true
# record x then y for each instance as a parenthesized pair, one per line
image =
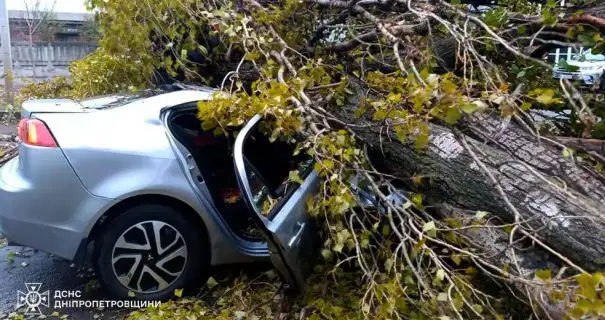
(296, 238)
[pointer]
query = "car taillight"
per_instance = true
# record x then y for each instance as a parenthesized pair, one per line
(34, 132)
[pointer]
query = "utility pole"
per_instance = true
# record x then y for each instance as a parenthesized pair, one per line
(7, 59)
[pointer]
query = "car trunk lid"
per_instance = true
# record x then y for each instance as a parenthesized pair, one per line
(50, 106)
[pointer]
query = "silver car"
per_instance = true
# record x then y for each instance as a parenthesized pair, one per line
(158, 200)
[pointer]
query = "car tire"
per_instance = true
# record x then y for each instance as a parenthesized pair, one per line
(132, 234)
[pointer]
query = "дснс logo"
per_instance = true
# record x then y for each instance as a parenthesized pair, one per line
(33, 298)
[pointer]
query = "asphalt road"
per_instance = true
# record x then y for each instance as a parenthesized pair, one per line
(20, 265)
(7, 128)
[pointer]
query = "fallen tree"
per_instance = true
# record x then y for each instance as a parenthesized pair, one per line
(419, 95)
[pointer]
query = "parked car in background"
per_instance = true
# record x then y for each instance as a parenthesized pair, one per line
(581, 65)
(157, 198)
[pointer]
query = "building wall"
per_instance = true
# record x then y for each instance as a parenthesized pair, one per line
(49, 60)
(56, 53)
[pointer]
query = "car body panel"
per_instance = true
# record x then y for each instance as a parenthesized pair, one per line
(290, 233)
(43, 203)
(49, 106)
(130, 142)
(589, 67)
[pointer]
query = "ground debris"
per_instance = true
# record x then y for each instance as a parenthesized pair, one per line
(8, 149)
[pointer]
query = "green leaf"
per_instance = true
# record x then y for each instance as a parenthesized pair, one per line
(549, 18)
(203, 50)
(388, 264)
(440, 274)
(480, 215)
(442, 296)
(586, 40)
(507, 229)
(429, 226)
(417, 199)
(385, 230)
(379, 115)
(208, 125)
(456, 259)
(10, 256)
(449, 86)
(326, 253)
(211, 283)
(422, 139)
(567, 153)
(566, 66)
(424, 73)
(469, 107)
(130, 293)
(294, 177)
(478, 308)
(547, 97)
(178, 292)
(395, 98)
(338, 247)
(544, 274)
(452, 115)
(496, 17)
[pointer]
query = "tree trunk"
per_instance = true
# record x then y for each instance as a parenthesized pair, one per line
(559, 199)
(524, 261)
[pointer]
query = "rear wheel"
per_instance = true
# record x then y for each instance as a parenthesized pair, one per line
(151, 250)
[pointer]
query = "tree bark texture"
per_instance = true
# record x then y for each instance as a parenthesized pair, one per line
(522, 259)
(558, 199)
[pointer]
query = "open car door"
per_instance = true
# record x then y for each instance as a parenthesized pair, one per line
(277, 204)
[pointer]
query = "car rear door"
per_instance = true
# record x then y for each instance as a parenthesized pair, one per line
(285, 223)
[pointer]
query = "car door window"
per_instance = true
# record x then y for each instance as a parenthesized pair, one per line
(268, 166)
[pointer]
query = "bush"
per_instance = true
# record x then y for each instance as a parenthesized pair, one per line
(57, 87)
(102, 73)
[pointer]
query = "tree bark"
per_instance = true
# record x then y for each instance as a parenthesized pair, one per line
(523, 260)
(558, 200)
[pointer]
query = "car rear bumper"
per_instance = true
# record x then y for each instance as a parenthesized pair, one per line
(43, 205)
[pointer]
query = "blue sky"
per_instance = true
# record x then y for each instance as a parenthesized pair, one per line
(60, 5)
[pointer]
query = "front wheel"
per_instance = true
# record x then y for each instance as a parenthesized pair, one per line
(151, 250)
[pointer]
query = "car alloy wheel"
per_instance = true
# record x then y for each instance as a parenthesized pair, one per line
(149, 256)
